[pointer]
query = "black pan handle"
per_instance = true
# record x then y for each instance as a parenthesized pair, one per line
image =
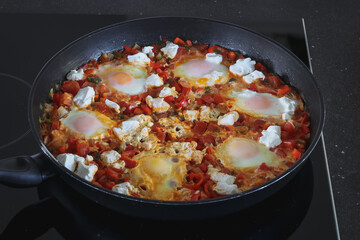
(25, 171)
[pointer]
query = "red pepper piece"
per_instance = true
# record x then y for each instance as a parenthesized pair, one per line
(179, 41)
(296, 153)
(199, 128)
(260, 67)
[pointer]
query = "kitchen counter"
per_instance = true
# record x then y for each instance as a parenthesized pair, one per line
(334, 38)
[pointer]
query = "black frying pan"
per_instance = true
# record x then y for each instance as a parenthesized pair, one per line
(32, 170)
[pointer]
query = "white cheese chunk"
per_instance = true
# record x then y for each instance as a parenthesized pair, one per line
(113, 105)
(214, 58)
(75, 75)
(289, 107)
(84, 97)
(157, 104)
(207, 114)
(170, 50)
(148, 50)
(62, 111)
(271, 137)
(124, 188)
(110, 157)
(68, 160)
(139, 58)
(191, 115)
(166, 91)
(253, 76)
(86, 170)
(154, 81)
(242, 66)
(229, 118)
(224, 182)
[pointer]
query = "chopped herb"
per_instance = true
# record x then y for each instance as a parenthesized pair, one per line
(174, 113)
(299, 142)
(118, 54)
(207, 89)
(186, 47)
(95, 80)
(51, 93)
(232, 79)
(217, 51)
(41, 107)
(47, 120)
(97, 156)
(117, 149)
(121, 116)
(159, 56)
(40, 120)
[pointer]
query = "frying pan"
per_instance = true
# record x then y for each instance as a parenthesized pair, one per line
(25, 171)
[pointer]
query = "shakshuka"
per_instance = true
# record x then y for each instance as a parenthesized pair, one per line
(175, 121)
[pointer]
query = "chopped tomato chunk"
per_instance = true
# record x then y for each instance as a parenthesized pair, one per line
(71, 87)
(283, 89)
(260, 67)
(199, 128)
(274, 80)
(296, 153)
(179, 41)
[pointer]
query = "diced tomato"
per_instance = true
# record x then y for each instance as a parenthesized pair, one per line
(210, 150)
(216, 49)
(113, 174)
(169, 99)
(71, 87)
(199, 128)
(260, 67)
(163, 115)
(231, 55)
(161, 136)
(62, 149)
(259, 125)
(175, 84)
(296, 153)
(288, 127)
(82, 148)
(289, 144)
(303, 119)
(283, 89)
(207, 98)
(264, 167)
(126, 179)
(199, 101)
(102, 107)
(196, 196)
(56, 98)
(203, 167)
(156, 65)
(211, 158)
(129, 163)
(146, 109)
(202, 47)
(305, 129)
(66, 99)
(189, 43)
(200, 144)
(253, 87)
(179, 41)
(209, 139)
(197, 178)
(183, 104)
(274, 80)
(55, 125)
(103, 89)
(89, 71)
(218, 99)
(130, 50)
(280, 153)
(213, 127)
(138, 111)
(240, 175)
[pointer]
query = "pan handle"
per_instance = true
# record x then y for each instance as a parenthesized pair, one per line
(25, 171)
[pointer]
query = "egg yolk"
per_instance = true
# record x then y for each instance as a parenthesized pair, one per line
(198, 68)
(240, 149)
(120, 78)
(86, 124)
(258, 103)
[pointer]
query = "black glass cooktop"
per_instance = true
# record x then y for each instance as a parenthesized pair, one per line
(303, 209)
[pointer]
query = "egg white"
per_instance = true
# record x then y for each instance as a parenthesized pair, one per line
(238, 153)
(88, 124)
(201, 73)
(134, 82)
(160, 173)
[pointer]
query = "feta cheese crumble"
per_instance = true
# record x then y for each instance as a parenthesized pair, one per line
(124, 188)
(170, 50)
(75, 75)
(154, 81)
(113, 105)
(84, 97)
(214, 58)
(224, 182)
(157, 104)
(271, 137)
(289, 107)
(253, 76)
(242, 66)
(166, 91)
(191, 115)
(110, 157)
(139, 58)
(228, 119)
(148, 50)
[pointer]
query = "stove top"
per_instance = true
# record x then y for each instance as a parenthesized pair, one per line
(303, 209)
